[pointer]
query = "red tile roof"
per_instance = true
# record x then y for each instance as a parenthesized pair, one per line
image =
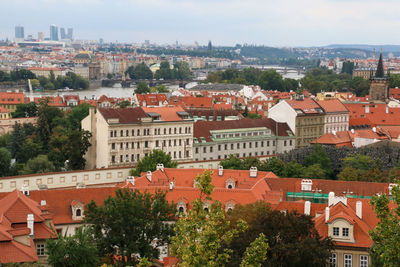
(125, 115)
(333, 105)
(151, 99)
(167, 113)
(307, 105)
(9, 98)
(339, 139)
(379, 114)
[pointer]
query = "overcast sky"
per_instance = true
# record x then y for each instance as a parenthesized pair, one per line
(225, 22)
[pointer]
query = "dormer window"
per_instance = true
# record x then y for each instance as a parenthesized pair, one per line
(345, 232)
(77, 210)
(78, 213)
(336, 231)
(229, 206)
(230, 184)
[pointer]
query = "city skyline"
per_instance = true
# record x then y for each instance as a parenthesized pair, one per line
(287, 23)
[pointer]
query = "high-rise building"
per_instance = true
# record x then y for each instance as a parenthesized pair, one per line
(19, 32)
(53, 32)
(69, 34)
(209, 46)
(62, 34)
(40, 36)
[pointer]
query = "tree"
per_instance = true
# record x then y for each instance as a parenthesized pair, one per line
(292, 238)
(25, 110)
(270, 80)
(319, 157)
(124, 104)
(77, 114)
(394, 80)
(5, 162)
(164, 72)
(140, 72)
(182, 70)
(142, 88)
(40, 164)
(386, 234)
(76, 147)
(201, 233)
(150, 162)
(274, 165)
(130, 223)
(348, 67)
(77, 250)
(159, 89)
(232, 162)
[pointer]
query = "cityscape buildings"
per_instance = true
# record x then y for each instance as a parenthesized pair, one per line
(53, 32)
(19, 32)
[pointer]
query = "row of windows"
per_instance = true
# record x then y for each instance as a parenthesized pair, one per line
(244, 145)
(243, 134)
(337, 119)
(132, 157)
(337, 128)
(163, 143)
(348, 260)
(145, 132)
(238, 155)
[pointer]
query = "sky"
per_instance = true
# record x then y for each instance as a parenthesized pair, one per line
(224, 22)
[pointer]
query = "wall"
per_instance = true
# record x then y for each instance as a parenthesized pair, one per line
(65, 179)
(6, 125)
(283, 112)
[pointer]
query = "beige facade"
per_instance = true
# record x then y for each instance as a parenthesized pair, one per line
(124, 144)
(64, 179)
(336, 121)
(46, 72)
(308, 128)
(350, 258)
(6, 125)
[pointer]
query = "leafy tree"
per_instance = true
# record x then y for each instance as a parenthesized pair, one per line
(270, 80)
(142, 88)
(164, 72)
(292, 238)
(293, 169)
(394, 80)
(21, 74)
(201, 233)
(315, 171)
(274, 165)
(124, 104)
(150, 162)
(253, 116)
(139, 72)
(130, 223)
(348, 67)
(159, 89)
(5, 162)
(48, 119)
(25, 110)
(386, 234)
(76, 250)
(76, 147)
(232, 162)
(77, 114)
(4, 140)
(319, 157)
(40, 164)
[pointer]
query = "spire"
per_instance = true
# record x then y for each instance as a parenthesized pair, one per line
(379, 71)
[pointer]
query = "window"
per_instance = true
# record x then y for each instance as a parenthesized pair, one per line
(197, 150)
(335, 231)
(170, 130)
(363, 260)
(113, 146)
(138, 145)
(126, 145)
(156, 143)
(204, 149)
(284, 143)
(219, 147)
(121, 159)
(40, 249)
(78, 213)
(174, 154)
(244, 145)
(132, 145)
(127, 158)
(262, 143)
(122, 133)
(127, 132)
(267, 143)
(211, 149)
(146, 143)
(132, 158)
(165, 130)
(175, 142)
(226, 146)
(333, 260)
(180, 130)
(133, 132)
(348, 260)
(138, 132)
(111, 134)
(250, 144)
(113, 159)
(121, 145)
(345, 232)
(256, 144)
(232, 146)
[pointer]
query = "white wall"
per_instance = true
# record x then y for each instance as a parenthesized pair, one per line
(283, 112)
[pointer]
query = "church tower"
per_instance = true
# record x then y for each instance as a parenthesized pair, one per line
(379, 84)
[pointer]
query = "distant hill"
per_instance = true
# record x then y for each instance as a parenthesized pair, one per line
(385, 48)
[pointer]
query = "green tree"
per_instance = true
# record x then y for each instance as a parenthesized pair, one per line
(76, 147)
(4, 140)
(40, 164)
(150, 162)
(274, 165)
(140, 72)
(293, 169)
(232, 162)
(315, 171)
(77, 114)
(159, 89)
(5, 162)
(130, 223)
(77, 250)
(182, 70)
(201, 233)
(124, 104)
(319, 157)
(348, 67)
(270, 80)
(394, 80)
(164, 72)
(142, 88)
(292, 238)
(386, 234)
(25, 110)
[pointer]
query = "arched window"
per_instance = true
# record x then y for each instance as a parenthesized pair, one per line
(230, 186)
(206, 209)
(181, 210)
(78, 213)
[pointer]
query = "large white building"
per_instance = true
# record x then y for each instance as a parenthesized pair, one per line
(121, 137)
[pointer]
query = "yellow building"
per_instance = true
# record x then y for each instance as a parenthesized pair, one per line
(46, 71)
(4, 114)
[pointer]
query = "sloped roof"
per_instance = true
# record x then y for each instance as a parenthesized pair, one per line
(203, 128)
(333, 105)
(125, 115)
(306, 105)
(167, 113)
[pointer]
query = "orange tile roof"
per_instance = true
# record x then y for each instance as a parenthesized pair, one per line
(151, 99)
(167, 113)
(339, 139)
(307, 105)
(9, 98)
(378, 113)
(333, 105)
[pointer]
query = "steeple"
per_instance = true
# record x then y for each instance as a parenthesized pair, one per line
(379, 71)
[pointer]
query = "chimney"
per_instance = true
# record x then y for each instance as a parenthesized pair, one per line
(148, 175)
(333, 132)
(326, 214)
(160, 166)
(331, 198)
(352, 131)
(359, 209)
(171, 185)
(306, 185)
(374, 129)
(253, 172)
(43, 203)
(220, 170)
(307, 208)
(387, 109)
(30, 221)
(366, 109)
